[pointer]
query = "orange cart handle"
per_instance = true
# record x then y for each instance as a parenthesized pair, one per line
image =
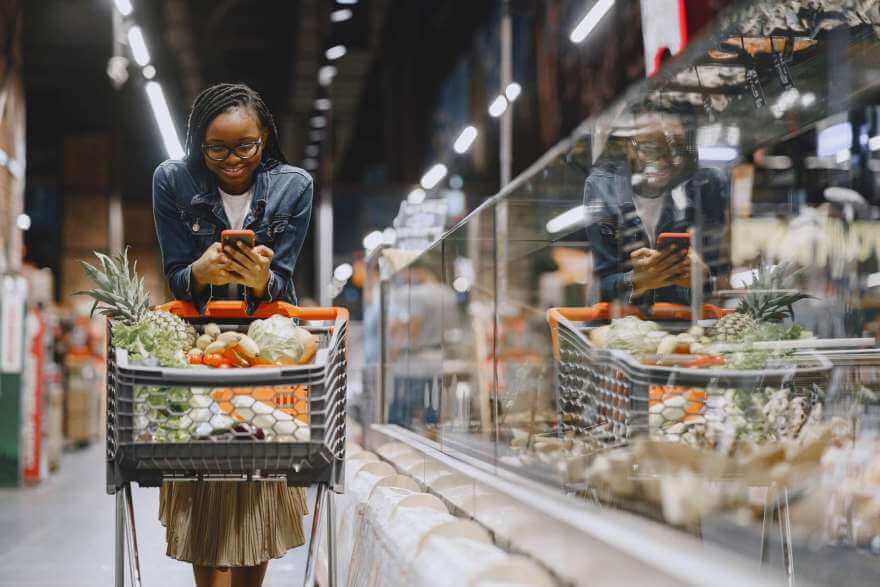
(661, 311)
(237, 309)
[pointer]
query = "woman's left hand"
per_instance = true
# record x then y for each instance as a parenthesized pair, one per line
(684, 279)
(250, 266)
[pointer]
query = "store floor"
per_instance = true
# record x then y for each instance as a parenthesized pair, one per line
(60, 533)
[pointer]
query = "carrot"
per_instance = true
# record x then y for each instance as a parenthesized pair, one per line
(217, 360)
(706, 361)
(196, 360)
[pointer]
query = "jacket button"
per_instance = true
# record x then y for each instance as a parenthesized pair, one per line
(196, 227)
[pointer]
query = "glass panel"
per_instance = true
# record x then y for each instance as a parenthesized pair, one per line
(543, 261)
(469, 337)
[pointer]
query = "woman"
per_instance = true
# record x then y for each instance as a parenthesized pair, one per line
(234, 175)
(648, 183)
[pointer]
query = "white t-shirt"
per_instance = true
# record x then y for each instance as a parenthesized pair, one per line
(237, 207)
(649, 210)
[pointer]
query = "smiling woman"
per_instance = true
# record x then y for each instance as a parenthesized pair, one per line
(233, 176)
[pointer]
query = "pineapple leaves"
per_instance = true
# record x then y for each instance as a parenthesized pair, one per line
(772, 294)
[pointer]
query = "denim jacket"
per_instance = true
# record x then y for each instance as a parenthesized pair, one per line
(615, 230)
(189, 217)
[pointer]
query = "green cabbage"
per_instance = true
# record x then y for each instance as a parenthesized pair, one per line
(278, 339)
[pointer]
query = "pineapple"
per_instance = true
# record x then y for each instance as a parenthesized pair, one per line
(771, 295)
(734, 327)
(121, 296)
(769, 299)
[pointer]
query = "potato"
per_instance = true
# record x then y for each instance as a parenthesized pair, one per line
(203, 341)
(212, 330)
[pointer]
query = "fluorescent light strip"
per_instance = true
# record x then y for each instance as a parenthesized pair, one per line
(589, 22)
(335, 52)
(434, 176)
(498, 106)
(513, 91)
(717, 153)
(340, 15)
(124, 7)
(138, 46)
(163, 120)
(465, 140)
(568, 219)
(417, 196)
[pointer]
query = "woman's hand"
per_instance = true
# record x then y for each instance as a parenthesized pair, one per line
(250, 266)
(655, 269)
(212, 268)
(684, 280)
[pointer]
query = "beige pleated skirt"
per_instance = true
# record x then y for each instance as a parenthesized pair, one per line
(231, 523)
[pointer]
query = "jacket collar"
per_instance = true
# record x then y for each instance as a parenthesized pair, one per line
(209, 196)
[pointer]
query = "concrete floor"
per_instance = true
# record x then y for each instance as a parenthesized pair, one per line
(60, 533)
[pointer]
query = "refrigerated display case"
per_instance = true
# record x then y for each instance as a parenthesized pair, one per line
(730, 393)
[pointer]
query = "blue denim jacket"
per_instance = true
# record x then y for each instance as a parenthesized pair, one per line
(615, 230)
(189, 217)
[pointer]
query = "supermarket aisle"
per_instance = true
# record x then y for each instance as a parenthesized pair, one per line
(60, 533)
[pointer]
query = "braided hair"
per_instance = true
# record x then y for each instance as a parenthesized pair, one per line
(221, 98)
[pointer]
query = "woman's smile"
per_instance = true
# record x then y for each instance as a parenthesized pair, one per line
(234, 172)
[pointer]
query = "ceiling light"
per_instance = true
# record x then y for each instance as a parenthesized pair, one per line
(808, 99)
(23, 222)
(513, 91)
(456, 182)
(842, 156)
(340, 15)
(326, 75)
(434, 176)
(318, 121)
(417, 196)
(717, 153)
(874, 143)
(589, 22)
(163, 120)
(149, 72)
(310, 164)
(312, 150)
(465, 140)
(335, 52)
(461, 284)
(347, 2)
(138, 45)
(568, 219)
(833, 139)
(498, 106)
(389, 236)
(323, 103)
(124, 7)
(343, 272)
(316, 135)
(373, 240)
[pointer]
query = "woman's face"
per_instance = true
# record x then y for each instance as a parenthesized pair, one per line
(232, 129)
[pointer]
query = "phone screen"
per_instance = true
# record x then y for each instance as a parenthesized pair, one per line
(233, 237)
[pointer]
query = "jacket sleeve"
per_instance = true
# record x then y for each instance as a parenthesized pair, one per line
(287, 251)
(613, 274)
(175, 242)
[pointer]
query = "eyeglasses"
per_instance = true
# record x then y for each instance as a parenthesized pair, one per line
(222, 152)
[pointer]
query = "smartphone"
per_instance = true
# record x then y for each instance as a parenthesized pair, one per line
(231, 238)
(680, 241)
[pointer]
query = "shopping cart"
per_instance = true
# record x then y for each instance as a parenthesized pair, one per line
(274, 422)
(611, 396)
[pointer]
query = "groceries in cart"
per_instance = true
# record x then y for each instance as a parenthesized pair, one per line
(158, 338)
(736, 340)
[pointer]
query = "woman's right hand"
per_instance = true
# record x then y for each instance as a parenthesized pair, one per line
(655, 269)
(212, 267)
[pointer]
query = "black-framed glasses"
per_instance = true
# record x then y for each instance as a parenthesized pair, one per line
(222, 152)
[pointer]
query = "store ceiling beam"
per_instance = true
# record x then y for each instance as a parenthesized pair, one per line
(179, 36)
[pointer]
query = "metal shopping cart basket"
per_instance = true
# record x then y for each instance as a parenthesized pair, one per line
(267, 423)
(611, 396)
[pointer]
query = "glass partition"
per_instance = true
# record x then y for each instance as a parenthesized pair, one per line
(674, 312)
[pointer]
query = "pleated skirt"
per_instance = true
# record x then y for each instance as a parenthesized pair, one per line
(231, 523)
